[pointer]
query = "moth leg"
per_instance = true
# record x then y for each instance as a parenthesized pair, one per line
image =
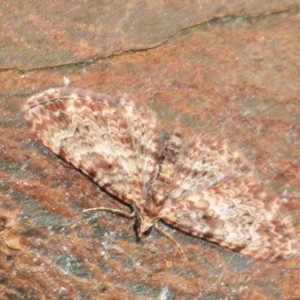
(114, 211)
(169, 237)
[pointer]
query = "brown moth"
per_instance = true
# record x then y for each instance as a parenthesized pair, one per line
(199, 184)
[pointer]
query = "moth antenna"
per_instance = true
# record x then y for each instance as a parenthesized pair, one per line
(170, 238)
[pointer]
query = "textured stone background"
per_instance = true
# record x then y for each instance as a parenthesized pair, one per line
(205, 66)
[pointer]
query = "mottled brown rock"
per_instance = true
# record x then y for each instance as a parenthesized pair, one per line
(236, 77)
(35, 34)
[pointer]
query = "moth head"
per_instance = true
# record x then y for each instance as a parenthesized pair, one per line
(144, 224)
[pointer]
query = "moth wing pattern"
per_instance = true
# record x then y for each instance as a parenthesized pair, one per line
(215, 196)
(107, 139)
(198, 184)
(143, 130)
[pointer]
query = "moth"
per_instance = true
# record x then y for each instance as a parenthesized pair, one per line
(197, 184)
